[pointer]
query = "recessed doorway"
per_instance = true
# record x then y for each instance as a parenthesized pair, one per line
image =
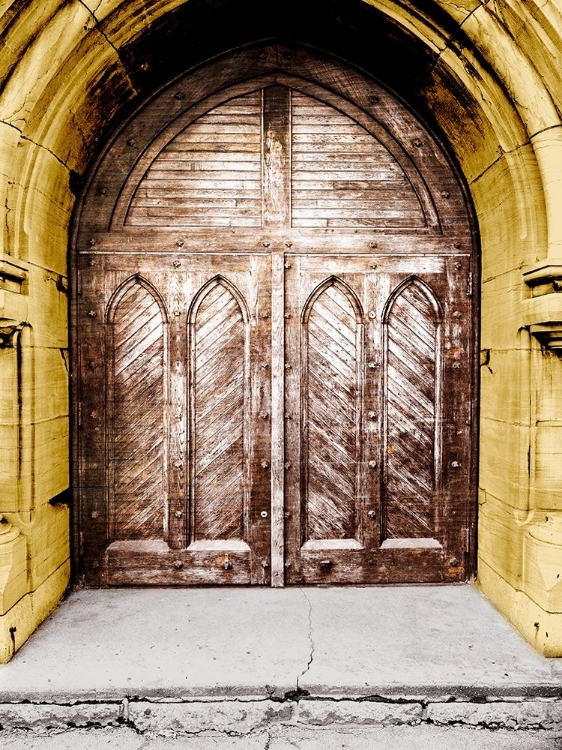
(274, 333)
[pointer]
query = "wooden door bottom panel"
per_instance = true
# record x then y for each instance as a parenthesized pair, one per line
(133, 563)
(386, 565)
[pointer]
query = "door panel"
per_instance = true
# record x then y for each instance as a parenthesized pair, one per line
(373, 431)
(219, 405)
(331, 370)
(412, 412)
(209, 174)
(137, 397)
(343, 176)
(184, 420)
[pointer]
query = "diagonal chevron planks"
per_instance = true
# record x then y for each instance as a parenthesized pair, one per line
(332, 416)
(218, 415)
(138, 413)
(411, 414)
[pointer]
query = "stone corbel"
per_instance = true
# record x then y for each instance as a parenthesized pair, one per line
(543, 311)
(8, 330)
(12, 276)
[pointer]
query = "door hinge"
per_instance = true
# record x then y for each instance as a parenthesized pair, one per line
(81, 543)
(469, 285)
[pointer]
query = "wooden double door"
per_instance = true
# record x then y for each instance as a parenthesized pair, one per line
(273, 332)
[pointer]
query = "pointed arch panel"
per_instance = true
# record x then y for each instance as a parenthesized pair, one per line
(219, 406)
(412, 411)
(137, 401)
(209, 175)
(342, 176)
(332, 344)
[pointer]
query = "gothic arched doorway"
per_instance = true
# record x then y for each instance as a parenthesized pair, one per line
(274, 336)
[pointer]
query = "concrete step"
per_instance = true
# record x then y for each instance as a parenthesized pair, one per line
(240, 662)
(289, 737)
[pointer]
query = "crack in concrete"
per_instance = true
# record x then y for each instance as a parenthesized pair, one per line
(551, 697)
(93, 726)
(310, 641)
(268, 740)
(267, 723)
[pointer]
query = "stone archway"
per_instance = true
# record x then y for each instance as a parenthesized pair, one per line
(486, 76)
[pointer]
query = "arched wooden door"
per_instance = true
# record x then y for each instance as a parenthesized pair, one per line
(274, 337)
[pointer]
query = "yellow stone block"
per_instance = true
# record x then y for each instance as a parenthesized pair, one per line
(51, 466)
(537, 27)
(19, 24)
(542, 563)
(511, 215)
(9, 138)
(548, 466)
(548, 148)
(50, 383)
(84, 95)
(9, 413)
(548, 384)
(542, 629)
(504, 388)
(501, 297)
(48, 541)
(40, 61)
(500, 538)
(458, 9)
(482, 87)
(44, 209)
(13, 565)
(463, 120)
(48, 308)
(9, 462)
(514, 68)
(100, 9)
(127, 23)
(501, 472)
(30, 611)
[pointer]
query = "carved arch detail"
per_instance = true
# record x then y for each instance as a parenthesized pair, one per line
(219, 413)
(412, 409)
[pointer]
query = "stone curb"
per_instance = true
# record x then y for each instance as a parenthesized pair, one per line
(51, 716)
(524, 715)
(238, 717)
(189, 718)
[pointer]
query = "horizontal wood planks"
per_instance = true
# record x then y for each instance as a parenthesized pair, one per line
(342, 176)
(209, 175)
(276, 157)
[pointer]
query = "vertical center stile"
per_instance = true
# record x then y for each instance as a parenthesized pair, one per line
(276, 208)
